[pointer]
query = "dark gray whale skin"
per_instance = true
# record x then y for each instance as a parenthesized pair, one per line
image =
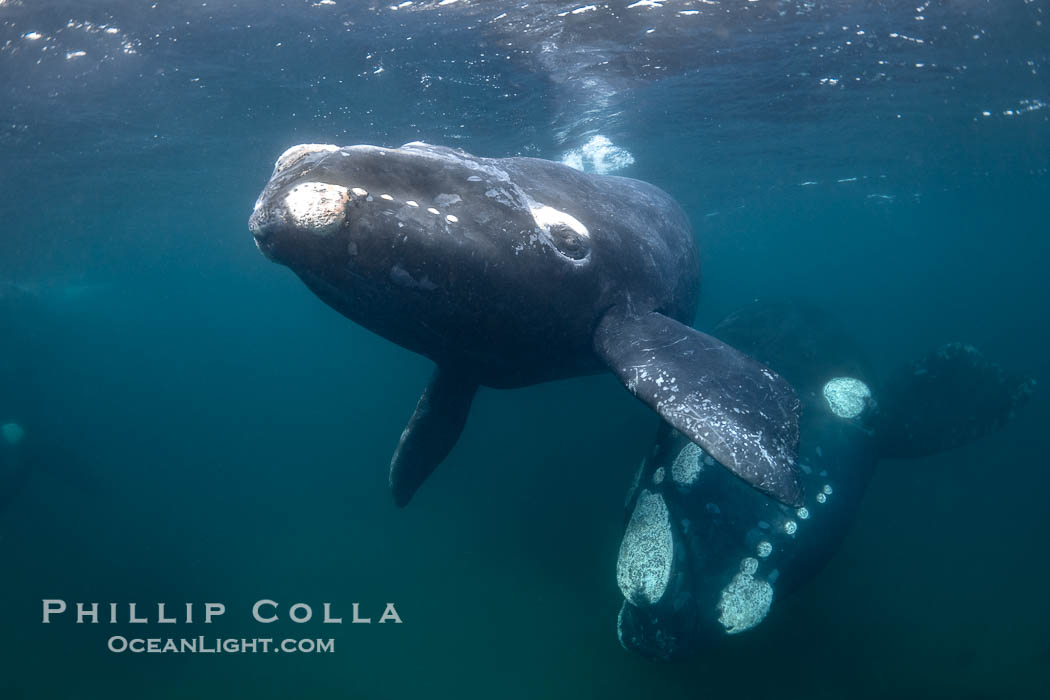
(726, 552)
(489, 294)
(508, 272)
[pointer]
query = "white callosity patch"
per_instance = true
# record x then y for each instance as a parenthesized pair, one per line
(296, 153)
(447, 200)
(802, 513)
(745, 602)
(546, 217)
(317, 206)
(764, 549)
(658, 476)
(643, 568)
(847, 397)
(599, 156)
(686, 468)
(791, 527)
(562, 231)
(821, 498)
(13, 433)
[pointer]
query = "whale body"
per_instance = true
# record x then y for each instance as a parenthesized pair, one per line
(507, 272)
(704, 556)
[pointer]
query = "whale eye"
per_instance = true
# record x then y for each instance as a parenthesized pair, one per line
(567, 233)
(568, 242)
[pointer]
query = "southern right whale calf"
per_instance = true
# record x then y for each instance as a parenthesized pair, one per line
(513, 271)
(704, 556)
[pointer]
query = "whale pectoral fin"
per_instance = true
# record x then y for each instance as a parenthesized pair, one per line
(431, 432)
(741, 412)
(946, 399)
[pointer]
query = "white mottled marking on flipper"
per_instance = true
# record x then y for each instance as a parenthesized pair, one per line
(742, 413)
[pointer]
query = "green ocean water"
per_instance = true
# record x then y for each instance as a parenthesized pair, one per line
(201, 428)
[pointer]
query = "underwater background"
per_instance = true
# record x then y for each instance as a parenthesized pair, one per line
(200, 427)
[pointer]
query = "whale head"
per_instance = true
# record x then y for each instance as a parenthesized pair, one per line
(376, 209)
(322, 200)
(424, 244)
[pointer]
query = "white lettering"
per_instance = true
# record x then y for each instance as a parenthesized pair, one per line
(328, 615)
(357, 619)
(53, 606)
(258, 605)
(390, 614)
(91, 612)
(213, 610)
(300, 606)
(135, 620)
(160, 615)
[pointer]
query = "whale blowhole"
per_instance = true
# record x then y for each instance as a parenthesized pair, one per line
(599, 155)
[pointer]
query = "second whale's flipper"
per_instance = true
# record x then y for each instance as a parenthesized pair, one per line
(431, 432)
(741, 412)
(946, 399)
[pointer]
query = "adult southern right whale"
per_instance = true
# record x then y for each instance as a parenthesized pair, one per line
(512, 271)
(703, 556)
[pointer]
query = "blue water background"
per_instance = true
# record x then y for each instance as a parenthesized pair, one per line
(206, 429)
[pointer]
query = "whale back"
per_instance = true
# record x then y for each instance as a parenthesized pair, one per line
(704, 556)
(946, 399)
(804, 344)
(724, 551)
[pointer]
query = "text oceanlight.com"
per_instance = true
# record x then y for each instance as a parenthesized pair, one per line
(218, 645)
